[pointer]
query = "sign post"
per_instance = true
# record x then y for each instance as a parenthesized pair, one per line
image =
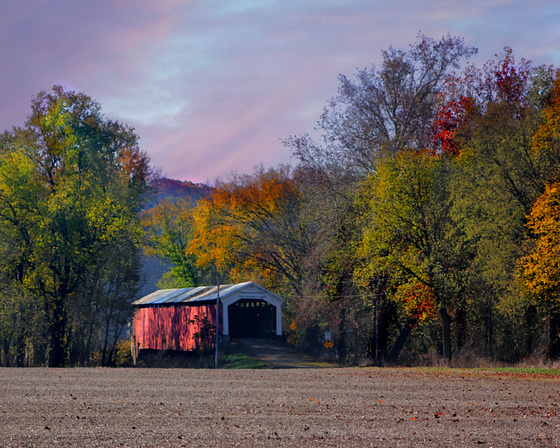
(293, 327)
(328, 340)
(217, 321)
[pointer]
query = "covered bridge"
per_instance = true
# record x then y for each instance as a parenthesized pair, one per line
(184, 319)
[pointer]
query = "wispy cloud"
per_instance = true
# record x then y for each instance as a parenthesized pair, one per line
(212, 87)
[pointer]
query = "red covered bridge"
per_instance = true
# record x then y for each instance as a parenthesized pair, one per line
(184, 319)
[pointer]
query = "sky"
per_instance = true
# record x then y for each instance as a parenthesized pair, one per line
(213, 87)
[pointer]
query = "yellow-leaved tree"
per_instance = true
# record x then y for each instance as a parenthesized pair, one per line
(249, 229)
(540, 269)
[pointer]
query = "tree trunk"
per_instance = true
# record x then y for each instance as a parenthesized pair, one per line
(446, 333)
(57, 328)
(104, 361)
(383, 333)
(532, 321)
(489, 330)
(461, 329)
(7, 342)
(382, 318)
(401, 340)
(20, 351)
(341, 343)
(555, 335)
(87, 350)
(384, 315)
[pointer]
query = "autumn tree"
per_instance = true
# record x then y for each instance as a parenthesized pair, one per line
(496, 114)
(545, 142)
(498, 178)
(540, 269)
(71, 184)
(495, 129)
(383, 111)
(452, 111)
(410, 238)
(250, 227)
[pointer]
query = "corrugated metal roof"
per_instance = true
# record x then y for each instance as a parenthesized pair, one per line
(191, 295)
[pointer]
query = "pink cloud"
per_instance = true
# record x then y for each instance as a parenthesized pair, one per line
(213, 87)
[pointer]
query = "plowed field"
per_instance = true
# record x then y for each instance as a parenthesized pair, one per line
(347, 407)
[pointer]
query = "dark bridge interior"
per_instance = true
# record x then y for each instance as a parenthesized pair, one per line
(249, 318)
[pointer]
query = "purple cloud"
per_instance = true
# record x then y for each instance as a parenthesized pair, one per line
(212, 87)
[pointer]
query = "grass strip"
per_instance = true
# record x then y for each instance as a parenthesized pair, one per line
(240, 360)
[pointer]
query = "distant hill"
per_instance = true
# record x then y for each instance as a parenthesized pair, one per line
(171, 190)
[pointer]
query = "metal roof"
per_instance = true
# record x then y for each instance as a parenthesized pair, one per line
(192, 295)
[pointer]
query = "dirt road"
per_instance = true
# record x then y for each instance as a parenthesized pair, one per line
(278, 355)
(350, 407)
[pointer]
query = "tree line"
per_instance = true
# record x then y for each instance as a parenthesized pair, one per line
(422, 223)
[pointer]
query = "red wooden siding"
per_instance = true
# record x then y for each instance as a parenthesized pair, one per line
(171, 327)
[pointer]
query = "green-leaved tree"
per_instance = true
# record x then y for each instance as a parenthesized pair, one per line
(71, 185)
